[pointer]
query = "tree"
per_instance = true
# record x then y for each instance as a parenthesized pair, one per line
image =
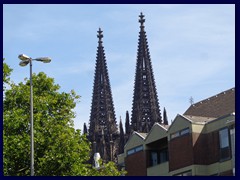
(59, 148)
(108, 169)
(6, 73)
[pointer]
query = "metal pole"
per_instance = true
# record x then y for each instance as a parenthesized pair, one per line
(31, 121)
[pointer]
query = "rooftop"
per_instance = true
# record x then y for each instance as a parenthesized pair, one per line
(144, 135)
(215, 106)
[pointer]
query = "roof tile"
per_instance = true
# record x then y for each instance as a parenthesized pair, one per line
(215, 106)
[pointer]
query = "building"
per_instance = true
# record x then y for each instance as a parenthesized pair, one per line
(199, 142)
(103, 132)
(193, 145)
(145, 108)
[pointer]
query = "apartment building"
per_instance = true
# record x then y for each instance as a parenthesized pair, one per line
(201, 142)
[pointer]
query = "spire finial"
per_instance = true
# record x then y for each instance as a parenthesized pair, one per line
(141, 20)
(100, 35)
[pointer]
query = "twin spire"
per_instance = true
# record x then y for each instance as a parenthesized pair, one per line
(103, 131)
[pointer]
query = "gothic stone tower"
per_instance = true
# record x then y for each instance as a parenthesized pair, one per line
(103, 132)
(145, 108)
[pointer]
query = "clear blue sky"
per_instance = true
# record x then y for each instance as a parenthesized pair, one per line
(192, 49)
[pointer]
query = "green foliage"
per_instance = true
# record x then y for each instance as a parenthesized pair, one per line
(108, 169)
(59, 149)
(6, 73)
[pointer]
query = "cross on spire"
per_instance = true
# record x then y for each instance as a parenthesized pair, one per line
(141, 20)
(100, 35)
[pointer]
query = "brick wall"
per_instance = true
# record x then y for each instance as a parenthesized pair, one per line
(206, 148)
(136, 164)
(180, 152)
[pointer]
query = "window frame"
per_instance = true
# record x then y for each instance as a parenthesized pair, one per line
(185, 131)
(180, 133)
(174, 135)
(134, 150)
(222, 148)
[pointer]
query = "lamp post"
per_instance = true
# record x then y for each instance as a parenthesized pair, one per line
(24, 61)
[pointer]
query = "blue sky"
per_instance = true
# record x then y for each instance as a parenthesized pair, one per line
(192, 49)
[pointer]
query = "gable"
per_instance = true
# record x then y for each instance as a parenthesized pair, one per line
(134, 140)
(157, 132)
(179, 123)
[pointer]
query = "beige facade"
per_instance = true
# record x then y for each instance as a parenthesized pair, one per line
(201, 142)
(182, 127)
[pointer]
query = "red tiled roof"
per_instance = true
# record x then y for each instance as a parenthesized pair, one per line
(215, 106)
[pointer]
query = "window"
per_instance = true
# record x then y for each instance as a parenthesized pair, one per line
(139, 148)
(101, 78)
(224, 138)
(154, 158)
(180, 133)
(134, 150)
(184, 131)
(174, 135)
(224, 144)
(158, 156)
(232, 134)
(131, 151)
(163, 155)
(143, 65)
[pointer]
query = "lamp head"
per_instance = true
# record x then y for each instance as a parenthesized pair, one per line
(44, 59)
(24, 63)
(23, 57)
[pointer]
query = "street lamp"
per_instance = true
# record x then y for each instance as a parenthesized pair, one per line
(24, 61)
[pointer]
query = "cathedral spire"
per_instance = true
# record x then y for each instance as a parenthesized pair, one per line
(145, 108)
(103, 130)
